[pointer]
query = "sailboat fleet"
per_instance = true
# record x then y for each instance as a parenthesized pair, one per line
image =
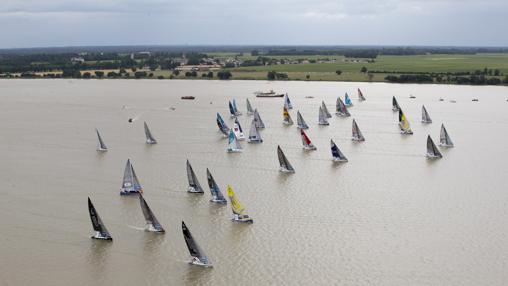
(131, 184)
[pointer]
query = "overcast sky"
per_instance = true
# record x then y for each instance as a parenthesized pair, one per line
(42, 23)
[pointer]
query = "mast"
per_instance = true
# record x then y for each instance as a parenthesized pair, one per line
(357, 134)
(322, 117)
(287, 118)
(233, 144)
(254, 136)
(151, 221)
(341, 108)
(285, 166)
(307, 144)
(325, 109)
(300, 121)
(425, 115)
(101, 146)
(217, 196)
(444, 138)
(232, 110)
(432, 151)
(336, 153)
(194, 186)
(360, 95)
(197, 254)
(395, 104)
(149, 136)
(130, 183)
(404, 123)
(97, 224)
(287, 102)
(250, 111)
(223, 128)
(257, 119)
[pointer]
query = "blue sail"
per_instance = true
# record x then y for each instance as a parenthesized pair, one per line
(335, 151)
(234, 107)
(347, 100)
(222, 125)
(231, 109)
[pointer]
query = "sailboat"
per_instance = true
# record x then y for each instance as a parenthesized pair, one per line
(254, 136)
(237, 113)
(237, 129)
(130, 184)
(347, 100)
(301, 124)
(149, 136)
(250, 110)
(341, 109)
(323, 120)
(395, 104)
(217, 196)
(285, 166)
(325, 110)
(404, 123)
(287, 102)
(152, 224)
(425, 115)
(101, 146)
(360, 95)
(223, 128)
(238, 209)
(232, 111)
(444, 138)
(337, 155)
(194, 185)
(307, 144)
(432, 151)
(257, 119)
(101, 232)
(357, 134)
(233, 144)
(287, 118)
(199, 258)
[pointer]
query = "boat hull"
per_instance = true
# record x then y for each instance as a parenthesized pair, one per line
(193, 190)
(284, 170)
(129, 192)
(338, 160)
(99, 236)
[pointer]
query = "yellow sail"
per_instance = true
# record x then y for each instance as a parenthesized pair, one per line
(404, 123)
(235, 204)
(285, 113)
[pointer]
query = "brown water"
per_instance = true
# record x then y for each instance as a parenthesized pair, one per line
(388, 217)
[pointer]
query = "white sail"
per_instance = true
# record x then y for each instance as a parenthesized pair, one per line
(325, 109)
(444, 138)
(237, 128)
(360, 95)
(357, 134)
(250, 110)
(425, 115)
(322, 117)
(257, 119)
(101, 146)
(149, 137)
(287, 102)
(301, 124)
(254, 136)
(432, 151)
(233, 144)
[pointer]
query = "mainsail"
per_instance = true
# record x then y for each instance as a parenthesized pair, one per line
(325, 109)
(254, 136)
(257, 119)
(238, 209)
(347, 100)
(444, 138)
(432, 151)
(237, 129)
(307, 144)
(101, 146)
(101, 232)
(236, 108)
(130, 183)
(337, 155)
(341, 109)
(197, 254)
(287, 118)
(323, 120)
(287, 102)
(300, 122)
(217, 196)
(232, 109)
(194, 186)
(425, 115)
(222, 125)
(250, 110)
(360, 95)
(152, 224)
(149, 136)
(233, 144)
(404, 123)
(285, 166)
(357, 134)
(395, 104)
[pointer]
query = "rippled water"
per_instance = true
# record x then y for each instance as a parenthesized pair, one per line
(388, 217)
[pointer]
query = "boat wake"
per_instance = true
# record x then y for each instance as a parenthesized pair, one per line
(136, 227)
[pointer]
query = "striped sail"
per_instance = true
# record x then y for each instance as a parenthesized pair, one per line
(287, 118)
(285, 166)
(233, 144)
(337, 155)
(254, 136)
(432, 151)
(307, 144)
(347, 100)
(300, 121)
(198, 255)
(217, 196)
(323, 120)
(395, 104)
(152, 224)
(194, 185)
(287, 102)
(360, 95)
(444, 138)
(325, 109)
(101, 232)
(341, 109)
(425, 115)
(404, 123)
(130, 183)
(357, 134)
(101, 146)
(257, 119)
(223, 128)
(149, 137)
(250, 110)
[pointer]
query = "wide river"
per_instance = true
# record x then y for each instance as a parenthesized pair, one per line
(387, 217)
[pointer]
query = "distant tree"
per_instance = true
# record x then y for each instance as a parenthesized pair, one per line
(134, 69)
(254, 53)
(271, 75)
(307, 76)
(203, 75)
(176, 72)
(99, 74)
(140, 74)
(497, 72)
(338, 72)
(122, 70)
(505, 81)
(188, 74)
(370, 76)
(153, 67)
(150, 74)
(160, 77)
(112, 74)
(363, 70)
(210, 74)
(87, 75)
(224, 74)
(127, 74)
(194, 74)
(70, 72)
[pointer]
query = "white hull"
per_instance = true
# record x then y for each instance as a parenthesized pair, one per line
(243, 219)
(234, 150)
(150, 142)
(432, 156)
(254, 141)
(341, 114)
(338, 160)
(426, 121)
(193, 190)
(310, 147)
(151, 228)
(284, 170)
(101, 150)
(406, 132)
(446, 145)
(323, 123)
(287, 123)
(217, 201)
(98, 235)
(302, 127)
(240, 136)
(357, 139)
